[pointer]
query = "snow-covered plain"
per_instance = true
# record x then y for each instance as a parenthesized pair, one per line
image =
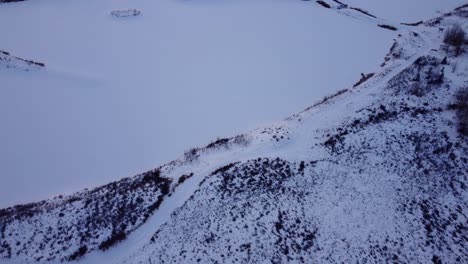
(121, 95)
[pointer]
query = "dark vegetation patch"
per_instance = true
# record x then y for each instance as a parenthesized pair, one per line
(461, 7)
(114, 238)
(223, 169)
(323, 3)
(335, 142)
(439, 224)
(10, 1)
(364, 78)
(220, 143)
(376, 116)
(461, 107)
(455, 37)
(391, 54)
(258, 175)
(389, 27)
(240, 140)
(247, 204)
(78, 254)
(217, 143)
(191, 154)
(184, 177)
(415, 24)
(340, 3)
(426, 74)
(363, 11)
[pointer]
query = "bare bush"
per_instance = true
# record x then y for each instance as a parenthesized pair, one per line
(328, 97)
(416, 89)
(241, 140)
(191, 155)
(455, 36)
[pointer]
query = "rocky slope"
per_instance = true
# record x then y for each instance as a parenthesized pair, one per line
(375, 174)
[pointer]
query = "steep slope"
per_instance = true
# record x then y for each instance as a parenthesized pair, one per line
(376, 173)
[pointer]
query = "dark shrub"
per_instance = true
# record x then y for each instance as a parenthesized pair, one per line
(115, 237)
(417, 90)
(388, 27)
(323, 3)
(79, 253)
(455, 36)
(364, 78)
(328, 97)
(218, 143)
(241, 140)
(191, 155)
(184, 177)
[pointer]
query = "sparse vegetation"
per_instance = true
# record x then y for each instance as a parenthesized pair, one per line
(455, 37)
(241, 140)
(191, 154)
(416, 89)
(218, 143)
(226, 143)
(328, 97)
(116, 208)
(364, 78)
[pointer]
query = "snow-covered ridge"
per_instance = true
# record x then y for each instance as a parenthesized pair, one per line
(374, 174)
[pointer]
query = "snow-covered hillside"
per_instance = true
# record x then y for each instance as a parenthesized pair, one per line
(376, 173)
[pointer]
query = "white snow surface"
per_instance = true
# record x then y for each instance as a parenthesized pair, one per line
(119, 96)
